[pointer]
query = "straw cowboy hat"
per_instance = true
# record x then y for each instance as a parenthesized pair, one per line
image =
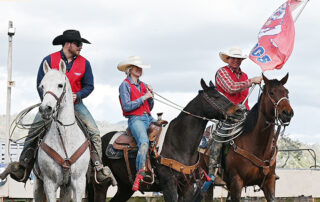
(234, 52)
(132, 60)
(69, 36)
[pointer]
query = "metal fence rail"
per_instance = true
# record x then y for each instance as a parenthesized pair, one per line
(310, 151)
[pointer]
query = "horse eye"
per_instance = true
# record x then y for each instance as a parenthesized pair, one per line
(60, 85)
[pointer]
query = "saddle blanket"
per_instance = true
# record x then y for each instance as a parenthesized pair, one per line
(113, 153)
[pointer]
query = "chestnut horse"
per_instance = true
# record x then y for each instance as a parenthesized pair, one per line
(251, 158)
(180, 144)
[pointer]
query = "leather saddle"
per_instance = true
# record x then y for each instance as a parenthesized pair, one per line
(126, 142)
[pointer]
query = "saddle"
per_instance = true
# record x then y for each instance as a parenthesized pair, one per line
(126, 142)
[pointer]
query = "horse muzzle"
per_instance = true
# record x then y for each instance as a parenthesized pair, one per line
(238, 114)
(286, 115)
(46, 112)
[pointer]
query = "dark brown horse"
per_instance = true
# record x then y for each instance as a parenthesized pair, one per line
(251, 160)
(180, 144)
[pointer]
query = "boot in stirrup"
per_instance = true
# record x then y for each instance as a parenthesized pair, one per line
(218, 179)
(103, 174)
(16, 171)
(136, 183)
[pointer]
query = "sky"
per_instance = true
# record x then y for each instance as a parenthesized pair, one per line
(181, 39)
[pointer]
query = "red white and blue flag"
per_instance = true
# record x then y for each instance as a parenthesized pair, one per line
(276, 38)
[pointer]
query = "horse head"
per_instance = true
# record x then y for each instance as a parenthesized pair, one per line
(277, 97)
(213, 102)
(53, 87)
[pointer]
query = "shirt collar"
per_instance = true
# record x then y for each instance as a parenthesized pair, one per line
(63, 56)
(132, 82)
(236, 71)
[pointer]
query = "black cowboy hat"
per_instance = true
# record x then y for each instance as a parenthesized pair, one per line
(69, 36)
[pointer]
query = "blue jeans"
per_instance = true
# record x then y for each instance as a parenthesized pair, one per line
(92, 127)
(87, 119)
(138, 126)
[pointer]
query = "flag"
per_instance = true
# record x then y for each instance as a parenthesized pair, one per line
(276, 38)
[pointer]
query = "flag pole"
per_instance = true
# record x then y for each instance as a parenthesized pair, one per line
(295, 19)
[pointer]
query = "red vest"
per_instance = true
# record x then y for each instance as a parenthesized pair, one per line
(76, 72)
(136, 94)
(236, 98)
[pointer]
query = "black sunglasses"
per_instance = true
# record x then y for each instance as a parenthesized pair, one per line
(77, 43)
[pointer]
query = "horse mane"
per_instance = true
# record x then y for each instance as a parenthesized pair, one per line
(252, 117)
(186, 108)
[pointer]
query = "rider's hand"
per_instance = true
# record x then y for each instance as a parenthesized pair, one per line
(256, 80)
(149, 87)
(147, 96)
(74, 95)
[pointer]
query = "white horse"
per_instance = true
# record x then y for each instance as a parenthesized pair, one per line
(66, 140)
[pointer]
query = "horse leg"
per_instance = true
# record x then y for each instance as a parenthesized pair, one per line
(100, 191)
(38, 191)
(50, 189)
(78, 187)
(187, 194)
(236, 188)
(269, 188)
(65, 193)
(208, 197)
(123, 194)
(169, 187)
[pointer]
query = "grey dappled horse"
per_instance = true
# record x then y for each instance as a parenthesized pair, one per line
(58, 105)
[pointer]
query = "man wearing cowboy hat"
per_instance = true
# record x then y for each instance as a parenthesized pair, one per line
(234, 84)
(136, 99)
(80, 77)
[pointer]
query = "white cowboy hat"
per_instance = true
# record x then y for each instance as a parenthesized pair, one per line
(234, 52)
(132, 60)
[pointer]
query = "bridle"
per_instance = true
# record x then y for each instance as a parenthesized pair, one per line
(58, 104)
(213, 104)
(278, 121)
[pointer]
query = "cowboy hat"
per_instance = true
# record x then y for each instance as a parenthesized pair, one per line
(234, 52)
(132, 60)
(69, 36)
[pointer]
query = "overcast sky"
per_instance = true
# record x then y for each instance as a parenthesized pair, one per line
(181, 40)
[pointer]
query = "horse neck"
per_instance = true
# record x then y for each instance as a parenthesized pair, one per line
(263, 133)
(183, 136)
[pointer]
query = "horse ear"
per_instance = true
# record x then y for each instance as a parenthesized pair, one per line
(203, 84)
(46, 67)
(211, 83)
(62, 66)
(265, 79)
(285, 79)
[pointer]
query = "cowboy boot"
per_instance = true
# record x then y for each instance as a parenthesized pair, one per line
(214, 163)
(20, 171)
(102, 173)
(218, 179)
(139, 177)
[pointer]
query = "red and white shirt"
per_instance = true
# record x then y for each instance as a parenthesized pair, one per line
(234, 84)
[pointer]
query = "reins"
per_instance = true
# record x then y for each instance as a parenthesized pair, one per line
(178, 107)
